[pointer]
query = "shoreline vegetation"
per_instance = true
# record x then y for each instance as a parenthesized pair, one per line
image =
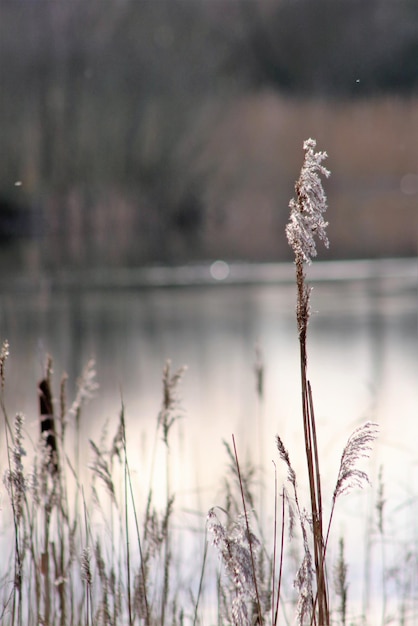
(165, 133)
(87, 554)
(374, 191)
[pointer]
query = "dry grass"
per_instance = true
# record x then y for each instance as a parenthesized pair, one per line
(84, 553)
(73, 562)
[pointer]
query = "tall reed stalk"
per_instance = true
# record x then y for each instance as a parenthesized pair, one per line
(306, 222)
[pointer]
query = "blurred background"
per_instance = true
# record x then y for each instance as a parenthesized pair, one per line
(168, 132)
(156, 144)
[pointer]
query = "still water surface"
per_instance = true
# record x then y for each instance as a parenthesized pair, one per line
(363, 364)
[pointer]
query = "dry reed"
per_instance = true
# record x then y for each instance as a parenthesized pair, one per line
(66, 573)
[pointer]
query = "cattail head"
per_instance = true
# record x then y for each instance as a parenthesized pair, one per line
(307, 210)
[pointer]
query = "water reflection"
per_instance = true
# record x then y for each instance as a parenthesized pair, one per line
(362, 348)
(363, 361)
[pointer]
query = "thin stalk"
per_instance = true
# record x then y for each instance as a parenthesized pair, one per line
(30, 515)
(17, 582)
(259, 376)
(199, 592)
(128, 557)
(273, 620)
(128, 477)
(45, 565)
(321, 578)
(279, 586)
(167, 553)
(89, 599)
(383, 580)
(311, 449)
(260, 617)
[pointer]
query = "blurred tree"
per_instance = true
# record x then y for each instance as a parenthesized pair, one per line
(114, 112)
(348, 47)
(106, 98)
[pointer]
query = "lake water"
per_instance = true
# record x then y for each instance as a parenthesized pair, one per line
(363, 364)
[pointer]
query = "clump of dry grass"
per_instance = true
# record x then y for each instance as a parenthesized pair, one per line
(238, 548)
(76, 565)
(305, 225)
(66, 572)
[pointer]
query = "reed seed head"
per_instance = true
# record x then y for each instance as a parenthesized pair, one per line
(233, 545)
(100, 468)
(14, 478)
(4, 353)
(306, 211)
(170, 410)
(87, 387)
(85, 566)
(357, 447)
(284, 455)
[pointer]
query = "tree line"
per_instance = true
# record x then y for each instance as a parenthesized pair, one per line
(126, 93)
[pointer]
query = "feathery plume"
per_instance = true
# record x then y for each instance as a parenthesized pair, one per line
(85, 566)
(234, 548)
(14, 478)
(381, 501)
(306, 212)
(341, 584)
(171, 403)
(4, 353)
(284, 455)
(86, 387)
(303, 584)
(100, 468)
(357, 447)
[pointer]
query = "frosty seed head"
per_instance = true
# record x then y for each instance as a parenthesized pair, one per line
(307, 210)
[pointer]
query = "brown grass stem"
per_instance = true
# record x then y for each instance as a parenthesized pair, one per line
(273, 586)
(279, 584)
(128, 553)
(306, 223)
